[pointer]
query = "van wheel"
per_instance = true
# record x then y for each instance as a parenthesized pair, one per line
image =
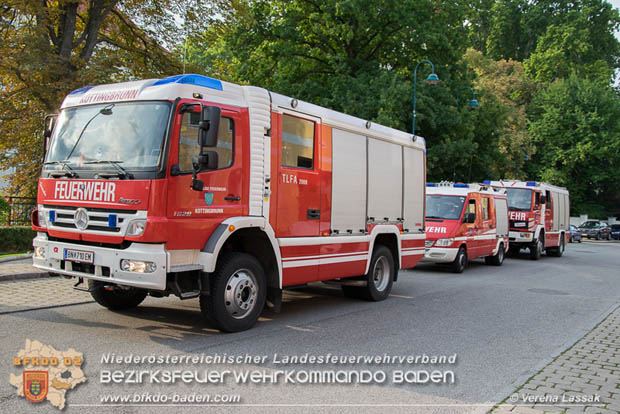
(379, 279)
(119, 298)
(460, 262)
(536, 248)
(498, 259)
(238, 293)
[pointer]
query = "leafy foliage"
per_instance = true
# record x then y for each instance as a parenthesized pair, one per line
(536, 67)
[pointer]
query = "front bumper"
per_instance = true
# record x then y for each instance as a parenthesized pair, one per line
(106, 263)
(520, 236)
(439, 254)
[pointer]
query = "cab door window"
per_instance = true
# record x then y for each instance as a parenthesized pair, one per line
(485, 208)
(297, 142)
(188, 142)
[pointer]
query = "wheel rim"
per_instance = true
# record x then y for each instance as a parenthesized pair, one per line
(381, 274)
(241, 293)
(462, 260)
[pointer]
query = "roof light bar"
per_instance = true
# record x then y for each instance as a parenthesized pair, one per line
(192, 79)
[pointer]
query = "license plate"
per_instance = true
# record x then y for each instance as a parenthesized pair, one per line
(79, 256)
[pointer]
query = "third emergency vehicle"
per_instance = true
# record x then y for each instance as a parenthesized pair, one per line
(539, 216)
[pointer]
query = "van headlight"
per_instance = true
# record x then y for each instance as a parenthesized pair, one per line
(444, 242)
(136, 228)
(42, 218)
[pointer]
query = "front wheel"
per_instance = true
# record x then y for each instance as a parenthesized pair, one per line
(116, 297)
(238, 293)
(460, 262)
(379, 279)
(536, 249)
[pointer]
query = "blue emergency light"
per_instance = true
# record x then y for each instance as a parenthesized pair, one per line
(487, 182)
(531, 184)
(112, 220)
(52, 216)
(192, 79)
(461, 185)
(431, 184)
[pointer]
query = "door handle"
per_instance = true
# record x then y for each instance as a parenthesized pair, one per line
(313, 214)
(232, 198)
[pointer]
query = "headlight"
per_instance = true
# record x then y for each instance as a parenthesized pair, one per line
(42, 218)
(39, 252)
(444, 242)
(136, 228)
(428, 243)
(138, 266)
(526, 235)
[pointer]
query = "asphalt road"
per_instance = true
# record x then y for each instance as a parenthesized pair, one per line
(503, 324)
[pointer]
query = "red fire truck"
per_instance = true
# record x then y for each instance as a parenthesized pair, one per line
(201, 188)
(465, 221)
(539, 215)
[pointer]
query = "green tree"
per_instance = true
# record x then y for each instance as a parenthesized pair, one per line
(48, 49)
(575, 124)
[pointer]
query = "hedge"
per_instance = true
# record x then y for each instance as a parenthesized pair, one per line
(16, 239)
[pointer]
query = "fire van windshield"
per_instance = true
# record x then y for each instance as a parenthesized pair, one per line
(519, 199)
(97, 137)
(444, 207)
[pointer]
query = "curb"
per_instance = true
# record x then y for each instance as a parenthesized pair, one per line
(25, 276)
(15, 258)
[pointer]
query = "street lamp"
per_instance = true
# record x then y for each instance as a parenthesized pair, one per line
(473, 102)
(432, 79)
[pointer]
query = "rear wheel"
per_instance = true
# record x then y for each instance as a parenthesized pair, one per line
(536, 248)
(498, 259)
(558, 251)
(460, 262)
(116, 297)
(237, 295)
(379, 279)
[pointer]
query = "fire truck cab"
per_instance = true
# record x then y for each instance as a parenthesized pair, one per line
(196, 187)
(539, 215)
(464, 222)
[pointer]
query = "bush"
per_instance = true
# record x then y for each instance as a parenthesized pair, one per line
(16, 239)
(5, 210)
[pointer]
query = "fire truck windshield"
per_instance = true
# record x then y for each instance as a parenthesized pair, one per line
(99, 136)
(519, 199)
(444, 207)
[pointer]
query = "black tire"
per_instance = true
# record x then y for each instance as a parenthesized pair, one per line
(460, 261)
(498, 259)
(537, 247)
(513, 251)
(558, 251)
(570, 239)
(579, 240)
(238, 290)
(117, 298)
(608, 236)
(379, 279)
(598, 236)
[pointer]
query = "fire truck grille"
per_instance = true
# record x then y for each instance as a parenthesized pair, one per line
(100, 220)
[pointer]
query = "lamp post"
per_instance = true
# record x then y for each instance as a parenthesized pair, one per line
(473, 102)
(432, 79)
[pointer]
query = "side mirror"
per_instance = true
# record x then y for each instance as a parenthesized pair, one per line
(205, 161)
(209, 126)
(543, 199)
(48, 128)
(469, 218)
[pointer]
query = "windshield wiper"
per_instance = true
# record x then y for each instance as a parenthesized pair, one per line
(65, 166)
(122, 173)
(107, 110)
